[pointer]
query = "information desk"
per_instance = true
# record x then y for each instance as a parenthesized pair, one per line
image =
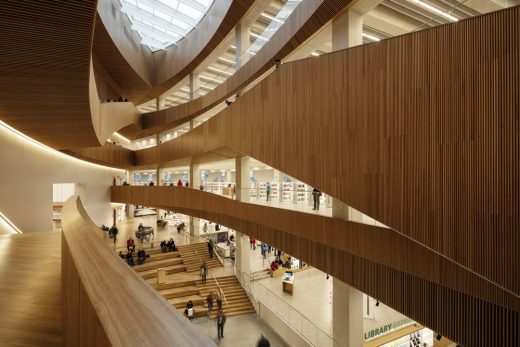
(288, 282)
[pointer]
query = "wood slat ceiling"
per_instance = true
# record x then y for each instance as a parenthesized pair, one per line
(44, 70)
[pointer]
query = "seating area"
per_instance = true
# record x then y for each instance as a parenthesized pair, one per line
(185, 284)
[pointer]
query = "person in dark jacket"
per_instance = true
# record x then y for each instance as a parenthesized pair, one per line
(113, 231)
(221, 320)
(263, 342)
(316, 194)
(210, 248)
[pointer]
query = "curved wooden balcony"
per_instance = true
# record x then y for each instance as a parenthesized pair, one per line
(381, 262)
(306, 20)
(105, 302)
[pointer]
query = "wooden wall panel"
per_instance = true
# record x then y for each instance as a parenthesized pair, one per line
(307, 19)
(419, 132)
(109, 154)
(411, 278)
(44, 70)
(106, 303)
(126, 61)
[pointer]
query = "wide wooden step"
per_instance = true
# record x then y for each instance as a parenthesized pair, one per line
(170, 294)
(157, 264)
(169, 270)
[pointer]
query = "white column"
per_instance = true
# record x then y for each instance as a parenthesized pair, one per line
(347, 315)
(194, 85)
(242, 178)
(194, 176)
(242, 255)
(347, 30)
(242, 42)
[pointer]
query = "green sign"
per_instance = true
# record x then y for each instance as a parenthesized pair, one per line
(385, 329)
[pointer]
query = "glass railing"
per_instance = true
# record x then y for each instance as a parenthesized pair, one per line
(313, 334)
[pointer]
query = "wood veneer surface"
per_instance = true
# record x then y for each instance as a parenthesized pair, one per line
(304, 22)
(380, 262)
(106, 303)
(30, 283)
(44, 70)
(420, 132)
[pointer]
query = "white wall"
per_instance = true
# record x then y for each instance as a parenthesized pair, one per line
(288, 334)
(28, 173)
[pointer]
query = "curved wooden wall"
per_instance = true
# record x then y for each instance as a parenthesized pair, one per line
(118, 50)
(304, 22)
(420, 132)
(411, 278)
(108, 154)
(44, 70)
(176, 62)
(105, 303)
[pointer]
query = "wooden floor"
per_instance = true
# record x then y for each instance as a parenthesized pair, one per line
(30, 290)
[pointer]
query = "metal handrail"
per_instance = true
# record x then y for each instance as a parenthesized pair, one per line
(258, 298)
(220, 289)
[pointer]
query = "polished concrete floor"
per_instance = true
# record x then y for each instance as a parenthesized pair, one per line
(243, 331)
(30, 287)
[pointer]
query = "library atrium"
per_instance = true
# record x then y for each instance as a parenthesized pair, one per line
(336, 173)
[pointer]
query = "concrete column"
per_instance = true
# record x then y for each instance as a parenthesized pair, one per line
(194, 176)
(194, 85)
(347, 315)
(242, 42)
(347, 30)
(339, 209)
(242, 178)
(242, 255)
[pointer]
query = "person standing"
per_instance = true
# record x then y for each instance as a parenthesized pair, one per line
(209, 301)
(221, 320)
(316, 194)
(179, 183)
(268, 192)
(253, 243)
(210, 248)
(203, 273)
(263, 342)
(113, 230)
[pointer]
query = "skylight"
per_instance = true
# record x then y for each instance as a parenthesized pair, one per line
(162, 23)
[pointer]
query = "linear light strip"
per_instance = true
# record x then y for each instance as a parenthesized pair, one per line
(11, 224)
(51, 150)
(435, 10)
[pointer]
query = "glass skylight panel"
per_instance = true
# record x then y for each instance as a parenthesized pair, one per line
(161, 23)
(276, 23)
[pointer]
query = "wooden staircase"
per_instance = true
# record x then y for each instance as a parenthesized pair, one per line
(179, 293)
(188, 259)
(194, 254)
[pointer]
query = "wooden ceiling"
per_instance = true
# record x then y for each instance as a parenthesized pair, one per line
(44, 70)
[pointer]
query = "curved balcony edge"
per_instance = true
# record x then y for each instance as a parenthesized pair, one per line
(308, 18)
(360, 255)
(95, 313)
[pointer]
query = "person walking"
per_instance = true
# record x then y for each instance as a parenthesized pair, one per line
(264, 249)
(253, 243)
(221, 320)
(263, 342)
(268, 192)
(316, 194)
(209, 301)
(203, 273)
(210, 248)
(113, 230)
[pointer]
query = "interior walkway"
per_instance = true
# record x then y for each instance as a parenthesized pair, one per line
(30, 283)
(241, 331)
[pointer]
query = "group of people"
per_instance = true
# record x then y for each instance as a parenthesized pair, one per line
(129, 256)
(168, 246)
(180, 184)
(120, 99)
